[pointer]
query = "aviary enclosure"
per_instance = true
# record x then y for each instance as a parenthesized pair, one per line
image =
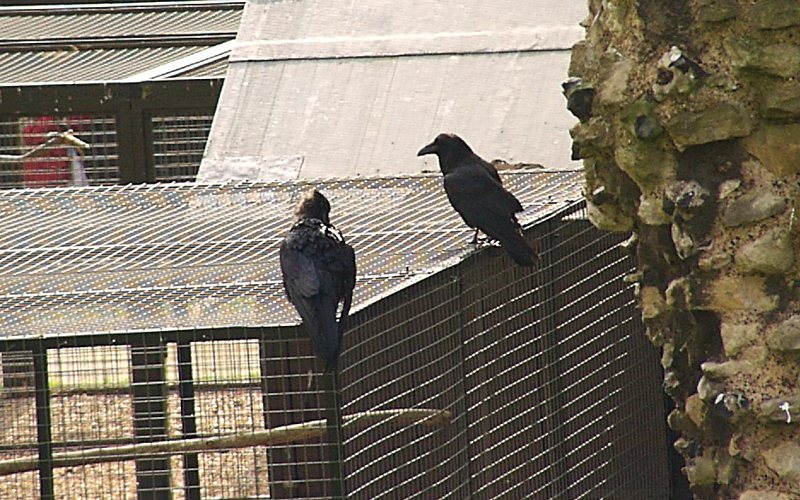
(147, 351)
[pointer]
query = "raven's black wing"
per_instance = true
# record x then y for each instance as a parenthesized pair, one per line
(302, 284)
(319, 272)
(347, 257)
(473, 191)
(300, 277)
(311, 288)
(490, 169)
(344, 267)
(485, 204)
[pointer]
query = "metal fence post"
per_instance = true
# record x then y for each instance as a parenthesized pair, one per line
(293, 394)
(131, 136)
(332, 403)
(44, 436)
(150, 416)
(191, 465)
(463, 407)
(557, 472)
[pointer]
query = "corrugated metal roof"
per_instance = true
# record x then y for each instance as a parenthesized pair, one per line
(216, 68)
(51, 27)
(183, 18)
(85, 65)
(110, 42)
(157, 257)
(212, 61)
(355, 88)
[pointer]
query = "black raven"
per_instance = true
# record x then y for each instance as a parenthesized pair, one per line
(475, 190)
(319, 272)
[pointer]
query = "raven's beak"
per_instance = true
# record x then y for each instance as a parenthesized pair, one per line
(429, 149)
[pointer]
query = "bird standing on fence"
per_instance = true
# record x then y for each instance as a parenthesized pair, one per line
(476, 192)
(319, 272)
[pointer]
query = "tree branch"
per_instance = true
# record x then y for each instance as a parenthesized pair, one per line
(53, 139)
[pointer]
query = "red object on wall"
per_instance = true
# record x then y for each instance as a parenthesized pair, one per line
(53, 169)
(49, 170)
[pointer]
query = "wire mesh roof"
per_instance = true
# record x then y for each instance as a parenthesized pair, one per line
(175, 256)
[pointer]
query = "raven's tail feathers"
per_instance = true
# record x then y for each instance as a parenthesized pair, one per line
(324, 332)
(330, 364)
(519, 250)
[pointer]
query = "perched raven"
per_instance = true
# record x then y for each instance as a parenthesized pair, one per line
(319, 272)
(475, 190)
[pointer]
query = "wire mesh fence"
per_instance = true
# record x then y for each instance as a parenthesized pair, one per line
(553, 390)
(463, 375)
(61, 165)
(175, 148)
(178, 145)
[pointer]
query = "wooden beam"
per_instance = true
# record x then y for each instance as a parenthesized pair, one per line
(295, 433)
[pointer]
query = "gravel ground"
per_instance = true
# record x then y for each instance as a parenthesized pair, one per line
(238, 473)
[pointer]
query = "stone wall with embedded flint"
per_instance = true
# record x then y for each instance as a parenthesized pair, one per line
(689, 132)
